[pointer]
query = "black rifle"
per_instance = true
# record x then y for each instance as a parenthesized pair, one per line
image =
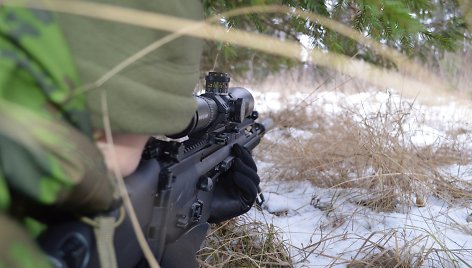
(172, 189)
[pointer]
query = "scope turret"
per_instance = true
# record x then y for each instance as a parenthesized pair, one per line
(217, 83)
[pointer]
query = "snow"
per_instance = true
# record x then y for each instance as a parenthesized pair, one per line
(321, 239)
(327, 228)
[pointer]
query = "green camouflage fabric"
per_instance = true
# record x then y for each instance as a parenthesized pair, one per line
(20, 251)
(154, 94)
(47, 156)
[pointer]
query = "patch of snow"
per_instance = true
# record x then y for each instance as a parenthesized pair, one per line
(321, 238)
(326, 228)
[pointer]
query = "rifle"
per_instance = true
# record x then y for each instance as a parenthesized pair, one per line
(172, 188)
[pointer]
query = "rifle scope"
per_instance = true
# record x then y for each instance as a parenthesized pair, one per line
(219, 105)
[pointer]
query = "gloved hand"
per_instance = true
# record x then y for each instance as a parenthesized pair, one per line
(236, 190)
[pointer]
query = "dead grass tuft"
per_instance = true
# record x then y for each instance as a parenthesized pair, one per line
(372, 152)
(384, 259)
(392, 250)
(243, 243)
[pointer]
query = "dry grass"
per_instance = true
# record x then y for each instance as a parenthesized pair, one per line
(375, 253)
(367, 154)
(372, 151)
(370, 156)
(395, 248)
(244, 243)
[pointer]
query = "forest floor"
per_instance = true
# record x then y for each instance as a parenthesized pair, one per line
(358, 178)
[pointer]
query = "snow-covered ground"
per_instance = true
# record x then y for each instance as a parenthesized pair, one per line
(325, 228)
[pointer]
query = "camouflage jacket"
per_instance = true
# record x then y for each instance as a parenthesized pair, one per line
(47, 157)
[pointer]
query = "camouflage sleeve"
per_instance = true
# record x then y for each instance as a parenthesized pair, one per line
(4, 195)
(51, 163)
(21, 251)
(44, 154)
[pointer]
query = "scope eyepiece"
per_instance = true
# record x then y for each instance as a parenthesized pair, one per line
(217, 83)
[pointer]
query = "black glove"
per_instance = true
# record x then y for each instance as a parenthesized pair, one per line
(236, 190)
